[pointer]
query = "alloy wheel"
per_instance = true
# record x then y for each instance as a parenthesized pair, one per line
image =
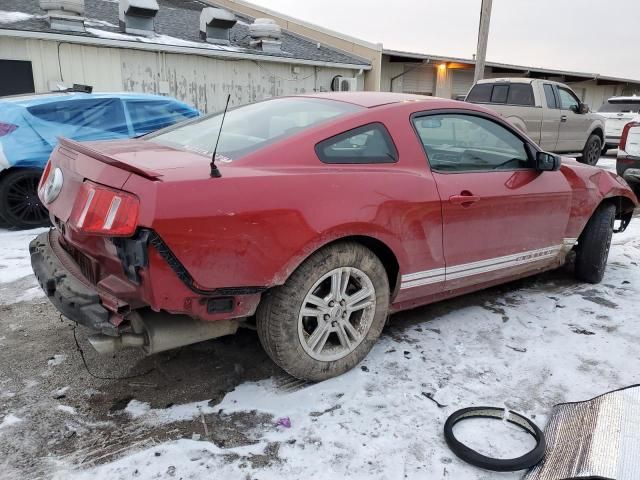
(336, 314)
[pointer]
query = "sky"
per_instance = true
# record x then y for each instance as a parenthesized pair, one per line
(593, 36)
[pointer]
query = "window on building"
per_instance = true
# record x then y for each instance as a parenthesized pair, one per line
(459, 143)
(367, 144)
(19, 81)
(550, 96)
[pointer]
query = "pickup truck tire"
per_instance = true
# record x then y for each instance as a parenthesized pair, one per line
(20, 206)
(592, 150)
(327, 316)
(594, 244)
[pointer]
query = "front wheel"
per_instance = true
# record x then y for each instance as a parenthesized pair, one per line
(592, 150)
(20, 206)
(325, 319)
(594, 243)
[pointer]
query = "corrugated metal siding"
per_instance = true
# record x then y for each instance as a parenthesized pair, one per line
(461, 82)
(419, 80)
(197, 80)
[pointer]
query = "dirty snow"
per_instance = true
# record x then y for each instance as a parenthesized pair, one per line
(17, 282)
(67, 409)
(160, 40)
(9, 420)
(57, 359)
(553, 340)
(13, 17)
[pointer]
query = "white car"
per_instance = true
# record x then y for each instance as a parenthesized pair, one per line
(618, 111)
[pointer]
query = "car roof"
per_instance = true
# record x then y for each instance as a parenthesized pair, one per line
(370, 99)
(44, 98)
(634, 98)
(507, 80)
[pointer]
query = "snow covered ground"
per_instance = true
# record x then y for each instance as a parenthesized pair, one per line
(526, 345)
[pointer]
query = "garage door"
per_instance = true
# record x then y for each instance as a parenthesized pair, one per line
(461, 82)
(420, 80)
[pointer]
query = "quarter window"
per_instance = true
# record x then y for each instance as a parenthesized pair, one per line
(367, 144)
(458, 143)
(550, 96)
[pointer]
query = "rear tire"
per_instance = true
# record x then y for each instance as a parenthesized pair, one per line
(594, 244)
(604, 151)
(340, 328)
(591, 151)
(20, 206)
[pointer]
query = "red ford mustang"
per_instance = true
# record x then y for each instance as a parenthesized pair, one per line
(330, 212)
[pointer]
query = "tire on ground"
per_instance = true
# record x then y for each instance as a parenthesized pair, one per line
(278, 313)
(592, 150)
(11, 185)
(594, 244)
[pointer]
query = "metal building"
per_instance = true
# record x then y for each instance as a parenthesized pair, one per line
(180, 48)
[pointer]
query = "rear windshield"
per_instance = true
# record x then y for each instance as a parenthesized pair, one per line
(501, 93)
(620, 107)
(251, 127)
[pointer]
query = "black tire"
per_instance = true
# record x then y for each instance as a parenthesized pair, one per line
(604, 151)
(591, 151)
(278, 313)
(20, 206)
(594, 244)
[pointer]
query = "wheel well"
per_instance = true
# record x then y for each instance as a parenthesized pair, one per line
(382, 251)
(599, 133)
(624, 210)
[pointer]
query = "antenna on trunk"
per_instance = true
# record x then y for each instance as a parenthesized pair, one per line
(215, 173)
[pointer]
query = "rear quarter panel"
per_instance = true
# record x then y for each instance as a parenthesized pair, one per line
(272, 209)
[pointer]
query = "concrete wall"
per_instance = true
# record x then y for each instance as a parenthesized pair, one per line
(200, 81)
(361, 48)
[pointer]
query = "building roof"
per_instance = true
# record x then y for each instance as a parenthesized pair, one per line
(177, 25)
(535, 72)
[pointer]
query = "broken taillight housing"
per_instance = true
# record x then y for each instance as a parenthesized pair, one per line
(101, 210)
(625, 134)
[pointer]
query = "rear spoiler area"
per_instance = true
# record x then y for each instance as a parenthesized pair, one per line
(102, 157)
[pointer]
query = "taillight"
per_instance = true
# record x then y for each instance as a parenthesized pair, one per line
(44, 177)
(100, 210)
(625, 134)
(7, 128)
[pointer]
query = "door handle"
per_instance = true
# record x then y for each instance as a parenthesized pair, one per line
(563, 118)
(465, 199)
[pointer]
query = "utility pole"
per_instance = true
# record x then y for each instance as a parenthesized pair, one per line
(483, 37)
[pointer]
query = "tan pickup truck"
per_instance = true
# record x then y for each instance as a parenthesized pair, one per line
(549, 112)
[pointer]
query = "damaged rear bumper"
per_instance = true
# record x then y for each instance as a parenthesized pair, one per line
(65, 286)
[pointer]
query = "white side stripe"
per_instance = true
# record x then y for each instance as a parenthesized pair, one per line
(428, 277)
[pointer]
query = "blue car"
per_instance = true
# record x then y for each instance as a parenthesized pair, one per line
(30, 127)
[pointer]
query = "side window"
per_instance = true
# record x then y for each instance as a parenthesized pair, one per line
(500, 93)
(149, 116)
(520, 94)
(459, 142)
(103, 114)
(481, 93)
(368, 144)
(568, 100)
(550, 96)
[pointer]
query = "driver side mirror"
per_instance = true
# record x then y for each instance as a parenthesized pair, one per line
(547, 162)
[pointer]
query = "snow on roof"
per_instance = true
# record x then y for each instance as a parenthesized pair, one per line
(13, 17)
